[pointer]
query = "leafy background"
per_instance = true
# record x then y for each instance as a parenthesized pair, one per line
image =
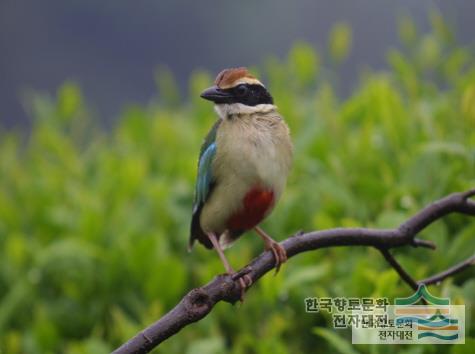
(94, 222)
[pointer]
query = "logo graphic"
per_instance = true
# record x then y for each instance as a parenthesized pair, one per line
(420, 318)
(438, 324)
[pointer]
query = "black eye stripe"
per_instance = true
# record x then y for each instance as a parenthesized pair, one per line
(256, 94)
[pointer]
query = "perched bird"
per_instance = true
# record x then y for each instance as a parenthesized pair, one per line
(243, 165)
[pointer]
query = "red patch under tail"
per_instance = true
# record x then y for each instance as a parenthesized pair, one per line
(256, 204)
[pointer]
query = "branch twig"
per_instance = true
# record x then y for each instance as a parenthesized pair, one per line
(449, 272)
(399, 269)
(200, 301)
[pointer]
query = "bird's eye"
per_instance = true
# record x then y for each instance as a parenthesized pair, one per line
(242, 90)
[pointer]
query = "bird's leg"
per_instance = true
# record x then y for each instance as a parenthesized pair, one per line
(217, 247)
(278, 251)
(227, 266)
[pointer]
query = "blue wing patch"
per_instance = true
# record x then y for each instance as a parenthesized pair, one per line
(205, 175)
(205, 183)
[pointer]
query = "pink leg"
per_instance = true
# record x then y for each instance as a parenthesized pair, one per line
(217, 247)
(277, 250)
(212, 237)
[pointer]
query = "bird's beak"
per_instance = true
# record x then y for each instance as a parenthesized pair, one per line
(216, 95)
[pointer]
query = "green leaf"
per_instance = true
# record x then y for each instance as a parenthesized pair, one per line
(340, 344)
(167, 87)
(466, 348)
(340, 41)
(304, 63)
(212, 345)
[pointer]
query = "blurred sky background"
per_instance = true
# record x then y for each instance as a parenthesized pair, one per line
(112, 47)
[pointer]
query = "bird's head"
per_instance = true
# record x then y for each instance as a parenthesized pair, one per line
(236, 91)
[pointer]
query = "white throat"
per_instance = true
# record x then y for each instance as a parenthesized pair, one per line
(225, 110)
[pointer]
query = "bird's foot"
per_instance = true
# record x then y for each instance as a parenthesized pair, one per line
(280, 255)
(245, 282)
(279, 252)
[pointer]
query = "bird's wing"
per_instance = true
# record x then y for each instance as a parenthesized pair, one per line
(204, 185)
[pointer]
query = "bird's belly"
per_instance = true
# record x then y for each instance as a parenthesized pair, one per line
(256, 204)
(250, 168)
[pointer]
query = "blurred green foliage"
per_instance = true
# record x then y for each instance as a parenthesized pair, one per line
(340, 42)
(94, 224)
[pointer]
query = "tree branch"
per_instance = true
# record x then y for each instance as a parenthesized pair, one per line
(200, 301)
(399, 269)
(449, 272)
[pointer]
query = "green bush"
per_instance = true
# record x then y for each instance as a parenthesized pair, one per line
(94, 224)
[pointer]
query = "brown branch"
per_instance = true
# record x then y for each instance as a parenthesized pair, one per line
(200, 301)
(399, 269)
(449, 272)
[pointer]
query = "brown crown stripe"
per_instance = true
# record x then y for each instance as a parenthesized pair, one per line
(228, 77)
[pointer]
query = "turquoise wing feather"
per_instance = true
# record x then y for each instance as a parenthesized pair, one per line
(204, 186)
(205, 175)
